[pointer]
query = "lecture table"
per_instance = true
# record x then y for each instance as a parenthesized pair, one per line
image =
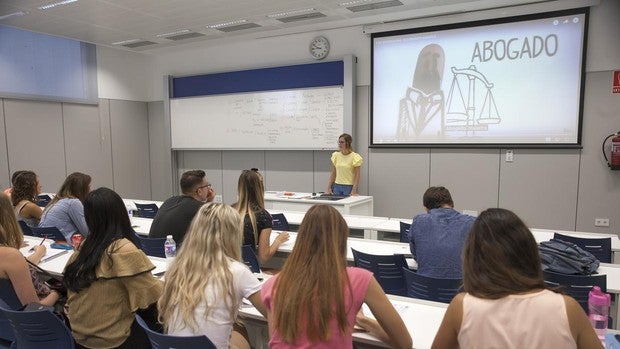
(301, 202)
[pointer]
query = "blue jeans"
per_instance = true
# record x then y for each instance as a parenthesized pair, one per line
(341, 189)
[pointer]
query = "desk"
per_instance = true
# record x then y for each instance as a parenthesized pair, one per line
(366, 223)
(422, 319)
(141, 225)
(301, 202)
(57, 265)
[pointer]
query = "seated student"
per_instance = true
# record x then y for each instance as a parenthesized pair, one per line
(506, 303)
(13, 265)
(436, 237)
(176, 213)
(205, 284)
(108, 278)
(315, 299)
(26, 187)
(66, 210)
(9, 190)
(257, 224)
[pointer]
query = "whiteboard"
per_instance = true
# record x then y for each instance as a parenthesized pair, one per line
(299, 119)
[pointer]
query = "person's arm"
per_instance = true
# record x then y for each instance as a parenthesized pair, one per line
(356, 180)
(266, 251)
(19, 275)
(31, 210)
(389, 327)
(332, 179)
(258, 303)
(37, 255)
(447, 335)
(76, 213)
(580, 326)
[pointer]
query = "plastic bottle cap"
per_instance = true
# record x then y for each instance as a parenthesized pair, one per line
(598, 297)
(168, 236)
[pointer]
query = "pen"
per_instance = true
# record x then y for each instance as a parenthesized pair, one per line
(42, 241)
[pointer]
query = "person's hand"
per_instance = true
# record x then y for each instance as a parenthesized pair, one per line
(40, 250)
(329, 191)
(211, 195)
(354, 193)
(282, 237)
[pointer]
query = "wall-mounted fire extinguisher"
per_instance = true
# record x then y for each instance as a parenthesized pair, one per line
(614, 164)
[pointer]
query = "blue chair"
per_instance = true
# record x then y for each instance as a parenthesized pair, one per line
(25, 228)
(279, 222)
(152, 246)
(388, 270)
(37, 329)
(43, 200)
(250, 259)
(8, 299)
(164, 341)
(576, 286)
(599, 247)
(146, 210)
(431, 289)
(51, 233)
(404, 232)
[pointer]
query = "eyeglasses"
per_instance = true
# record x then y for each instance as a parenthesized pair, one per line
(208, 185)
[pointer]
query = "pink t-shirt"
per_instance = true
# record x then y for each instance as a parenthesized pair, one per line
(359, 279)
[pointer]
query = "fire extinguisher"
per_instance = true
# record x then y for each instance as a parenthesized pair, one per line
(614, 164)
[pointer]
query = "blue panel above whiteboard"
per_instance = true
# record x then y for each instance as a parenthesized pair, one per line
(300, 107)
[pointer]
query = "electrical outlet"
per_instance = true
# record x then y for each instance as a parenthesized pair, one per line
(218, 199)
(601, 222)
(510, 155)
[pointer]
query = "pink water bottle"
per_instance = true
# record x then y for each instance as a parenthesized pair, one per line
(598, 310)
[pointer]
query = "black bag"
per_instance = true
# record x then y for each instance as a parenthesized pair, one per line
(565, 257)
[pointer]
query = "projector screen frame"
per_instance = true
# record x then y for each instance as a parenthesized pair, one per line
(577, 144)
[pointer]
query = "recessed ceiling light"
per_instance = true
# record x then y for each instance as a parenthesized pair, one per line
(14, 14)
(356, 2)
(49, 6)
(173, 33)
(226, 24)
(288, 13)
(125, 42)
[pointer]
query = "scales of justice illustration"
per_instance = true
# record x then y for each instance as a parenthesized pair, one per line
(468, 108)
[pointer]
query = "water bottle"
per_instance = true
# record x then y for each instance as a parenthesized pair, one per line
(170, 249)
(598, 310)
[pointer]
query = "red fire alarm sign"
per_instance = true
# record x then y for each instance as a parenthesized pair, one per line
(616, 83)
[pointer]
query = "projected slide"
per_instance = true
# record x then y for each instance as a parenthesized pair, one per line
(516, 82)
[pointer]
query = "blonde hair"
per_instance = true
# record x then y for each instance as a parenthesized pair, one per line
(10, 232)
(314, 279)
(212, 242)
(251, 197)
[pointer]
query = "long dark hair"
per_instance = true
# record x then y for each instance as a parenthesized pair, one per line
(107, 221)
(500, 256)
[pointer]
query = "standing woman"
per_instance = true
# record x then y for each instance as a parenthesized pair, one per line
(257, 222)
(26, 187)
(506, 297)
(205, 284)
(314, 300)
(346, 163)
(13, 265)
(66, 210)
(108, 278)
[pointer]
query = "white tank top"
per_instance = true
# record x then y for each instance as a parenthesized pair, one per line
(534, 320)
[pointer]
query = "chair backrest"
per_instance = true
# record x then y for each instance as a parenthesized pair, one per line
(51, 233)
(279, 222)
(25, 228)
(8, 300)
(38, 329)
(43, 200)
(250, 259)
(599, 247)
(388, 270)
(146, 210)
(404, 232)
(152, 246)
(164, 341)
(431, 289)
(576, 286)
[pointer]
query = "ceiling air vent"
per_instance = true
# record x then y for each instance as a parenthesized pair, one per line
(234, 28)
(303, 17)
(139, 44)
(184, 36)
(375, 6)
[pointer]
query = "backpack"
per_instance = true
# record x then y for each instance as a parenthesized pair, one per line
(565, 257)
